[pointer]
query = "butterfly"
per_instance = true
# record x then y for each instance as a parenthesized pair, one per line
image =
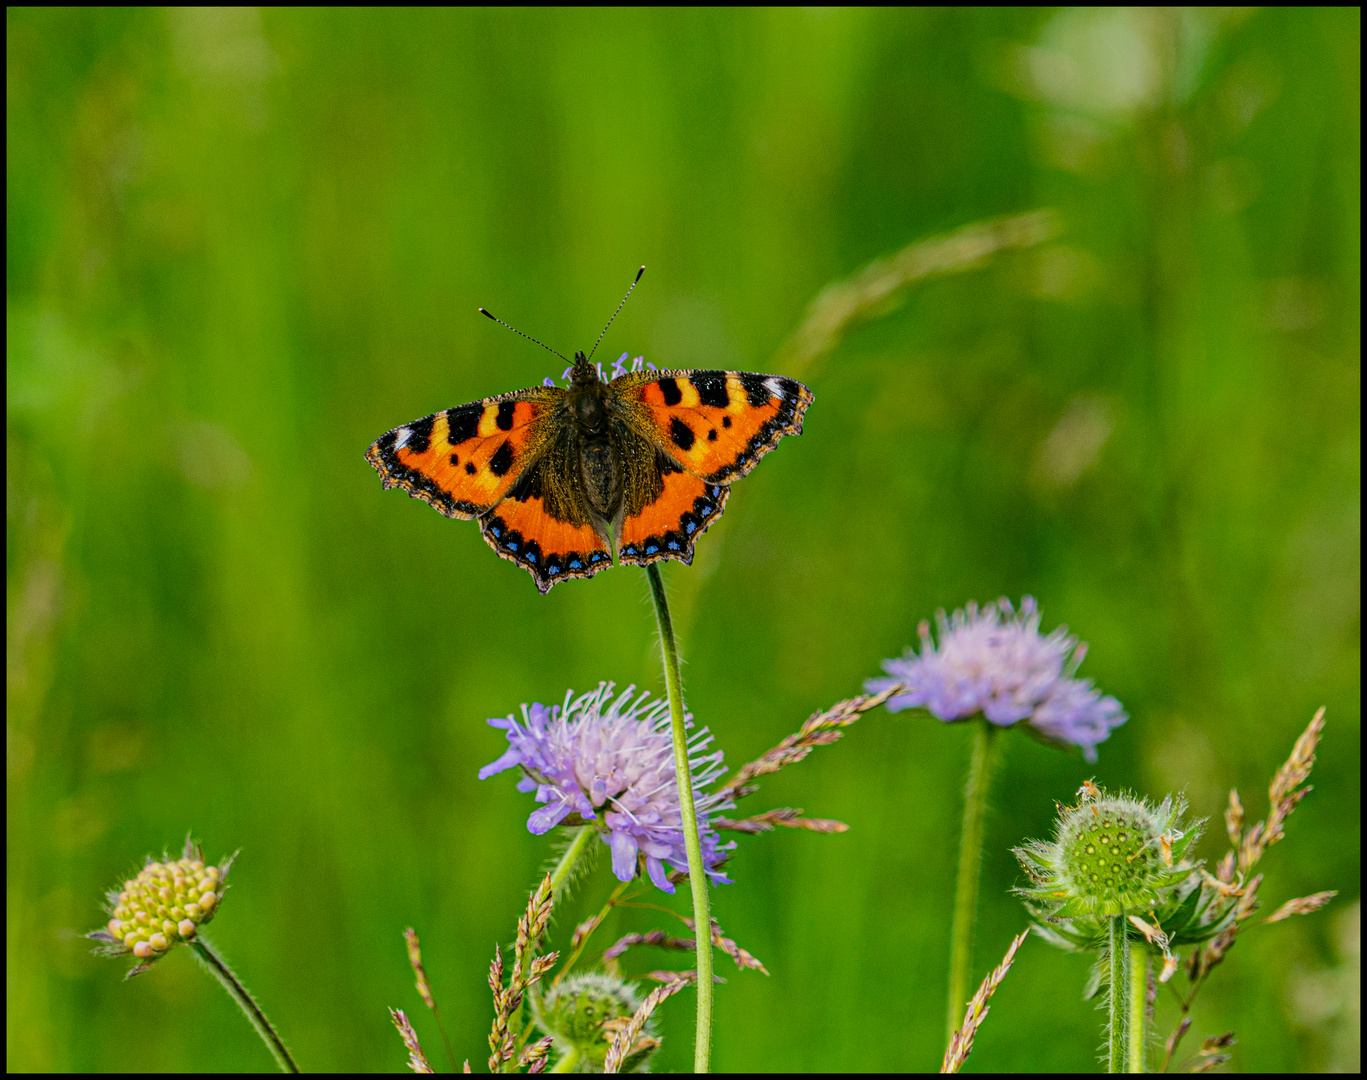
(568, 481)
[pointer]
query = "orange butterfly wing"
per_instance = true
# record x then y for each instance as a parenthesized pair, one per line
(668, 527)
(543, 525)
(715, 425)
(464, 460)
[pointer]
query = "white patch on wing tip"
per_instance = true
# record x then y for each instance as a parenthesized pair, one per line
(775, 387)
(401, 438)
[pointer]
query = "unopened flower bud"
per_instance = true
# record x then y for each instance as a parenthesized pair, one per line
(1111, 854)
(1114, 855)
(582, 1013)
(164, 905)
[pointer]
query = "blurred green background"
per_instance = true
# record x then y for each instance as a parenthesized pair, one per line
(242, 245)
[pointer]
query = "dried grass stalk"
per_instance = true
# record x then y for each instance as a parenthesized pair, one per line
(534, 1058)
(820, 729)
(786, 816)
(879, 286)
(961, 1042)
(417, 1060)
(527, 969)
(1302, 905)
(624, 1042)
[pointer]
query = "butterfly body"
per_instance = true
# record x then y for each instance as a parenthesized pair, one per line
(565, 482)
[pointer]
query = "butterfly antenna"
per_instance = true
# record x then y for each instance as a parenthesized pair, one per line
(529, 337)
(619, 308)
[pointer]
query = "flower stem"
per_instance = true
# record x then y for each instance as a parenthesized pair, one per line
(1117, 976)
(560, 879)
(239, 993)
(569, 1062)
(1139, 990)
(697, 876)
(564, 869)
(970, 866)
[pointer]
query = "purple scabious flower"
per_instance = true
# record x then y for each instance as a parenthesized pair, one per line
(593, 754)
(997, 663)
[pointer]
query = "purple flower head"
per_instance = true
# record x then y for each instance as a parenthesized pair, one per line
(594, 755)
(997, 663)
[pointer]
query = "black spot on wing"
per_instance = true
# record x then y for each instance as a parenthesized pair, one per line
(463, 422)
(455, 459)
(681, 433)
(504, 419)
(470, 467)
(711, 389)
(420, 435)
(670, 389)
(791, 398)
(502, 460)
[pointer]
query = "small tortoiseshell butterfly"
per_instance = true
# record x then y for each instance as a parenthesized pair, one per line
(565, 482)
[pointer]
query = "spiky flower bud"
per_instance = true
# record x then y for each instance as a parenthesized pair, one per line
(1111, 854)
(1114, 855)
(584, 1012)
(163, 905)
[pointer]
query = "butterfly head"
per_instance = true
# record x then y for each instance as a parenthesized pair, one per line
(588, 398)
(583, 373)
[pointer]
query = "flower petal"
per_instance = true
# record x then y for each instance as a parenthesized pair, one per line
(623, 846)
(510, 757)
(657, 874)
(548, 817)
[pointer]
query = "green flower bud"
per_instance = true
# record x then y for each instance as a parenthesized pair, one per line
(1111, 854)
(582, 1015)
(1118, 855)
(164, 905)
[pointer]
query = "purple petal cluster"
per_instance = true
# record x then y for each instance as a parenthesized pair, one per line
(612, 760)
(996, 663)
(619, 367)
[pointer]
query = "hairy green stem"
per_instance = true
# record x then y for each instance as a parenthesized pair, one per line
(569, 1062)
(970, 866)
(239, 993)
(1139, 992)
(560, 879)
(697, 876)
(564, 869)
(1117, 976)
